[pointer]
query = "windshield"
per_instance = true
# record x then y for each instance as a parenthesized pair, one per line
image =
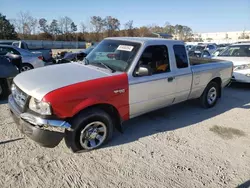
(115, 54)
(237, 51)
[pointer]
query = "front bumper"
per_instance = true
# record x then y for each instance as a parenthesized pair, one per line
(241, 76)
(47, 133)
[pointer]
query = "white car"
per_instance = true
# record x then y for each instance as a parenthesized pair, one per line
(239, 54)
(29, 60)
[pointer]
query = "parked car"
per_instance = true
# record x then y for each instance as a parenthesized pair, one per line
(77, 56)
(218, 51)
(120, 79)
(29, 60)
(239, 54)
(8, 70)
(202, 50)
(45, 53)
(189, 47)
(223, 45)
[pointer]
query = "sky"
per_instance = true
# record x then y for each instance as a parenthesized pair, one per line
(200, 15)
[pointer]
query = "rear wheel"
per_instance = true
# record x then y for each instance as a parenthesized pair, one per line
(210, 95)
(91, 129)
(26, 67)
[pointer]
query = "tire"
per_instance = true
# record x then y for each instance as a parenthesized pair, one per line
(76, 139)
(210, 95)
(4, 90)
(26, 67)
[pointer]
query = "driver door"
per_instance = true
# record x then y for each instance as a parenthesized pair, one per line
(151, 92)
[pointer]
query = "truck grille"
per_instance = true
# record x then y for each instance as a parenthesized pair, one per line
(19, 96)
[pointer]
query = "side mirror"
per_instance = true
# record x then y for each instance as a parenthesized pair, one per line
(144, 70)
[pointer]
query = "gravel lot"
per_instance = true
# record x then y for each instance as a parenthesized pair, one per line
(179, 146)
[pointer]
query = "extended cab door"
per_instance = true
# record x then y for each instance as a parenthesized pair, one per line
(151, 92)
(183, 73)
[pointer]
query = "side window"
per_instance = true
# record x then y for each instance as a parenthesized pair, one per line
(156, 58)
(180, 56)
(3, 51)
(211, 47)
(12, 51)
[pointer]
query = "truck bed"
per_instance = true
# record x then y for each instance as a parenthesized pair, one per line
(199, 61)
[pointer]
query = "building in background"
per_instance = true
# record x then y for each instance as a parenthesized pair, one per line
(224, 37)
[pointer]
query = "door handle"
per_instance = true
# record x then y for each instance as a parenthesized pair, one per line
(170, 79)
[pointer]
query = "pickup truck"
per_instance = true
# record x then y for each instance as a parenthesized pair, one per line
(45, 53)
(120, 79)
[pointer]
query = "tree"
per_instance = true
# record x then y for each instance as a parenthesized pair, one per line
(73, 27)
(65, 24)
(111, 24)
(7, 30)
(143, 31)
(25, 25)
(54, 28)
(43, 25)
(129, 28)
(68, 21)
(98, 23)
(83, 27)
(187, 32)
(98, 26)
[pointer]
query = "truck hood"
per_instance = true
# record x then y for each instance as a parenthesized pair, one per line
(236, 60)
(38, 82)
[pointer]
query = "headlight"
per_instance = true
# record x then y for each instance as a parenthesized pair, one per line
(242, 67)
(40, 107)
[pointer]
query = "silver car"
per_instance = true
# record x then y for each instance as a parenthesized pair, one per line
(29, 60)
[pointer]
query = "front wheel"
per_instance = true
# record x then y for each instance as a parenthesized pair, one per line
(91, 129)
(210, 95)
(26, 67)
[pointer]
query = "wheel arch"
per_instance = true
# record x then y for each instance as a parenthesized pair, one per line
(109, 109)
(219, 82)
(26, 63)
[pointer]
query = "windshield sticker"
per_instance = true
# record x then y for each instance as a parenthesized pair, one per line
(125, 48)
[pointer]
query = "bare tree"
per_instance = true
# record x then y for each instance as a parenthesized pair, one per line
(64, 24)
(83, 27)
(67, 26)
(98, 23)
(129, 28)
(61, 23)
(26, 23)
(112, 24)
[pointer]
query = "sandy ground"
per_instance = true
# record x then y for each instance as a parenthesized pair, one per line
(179, 146)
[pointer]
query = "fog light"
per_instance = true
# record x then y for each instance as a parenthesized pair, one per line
(248, 75)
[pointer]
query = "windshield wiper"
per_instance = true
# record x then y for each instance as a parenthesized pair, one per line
(104, 65)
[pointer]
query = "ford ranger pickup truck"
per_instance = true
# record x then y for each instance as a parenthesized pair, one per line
(123, 77)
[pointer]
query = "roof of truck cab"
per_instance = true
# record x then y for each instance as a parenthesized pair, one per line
(144, 39)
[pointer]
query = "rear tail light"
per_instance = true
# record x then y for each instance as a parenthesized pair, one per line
(40, 57)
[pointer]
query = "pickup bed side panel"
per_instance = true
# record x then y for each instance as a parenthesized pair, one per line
(205, 73)
(70, 100)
